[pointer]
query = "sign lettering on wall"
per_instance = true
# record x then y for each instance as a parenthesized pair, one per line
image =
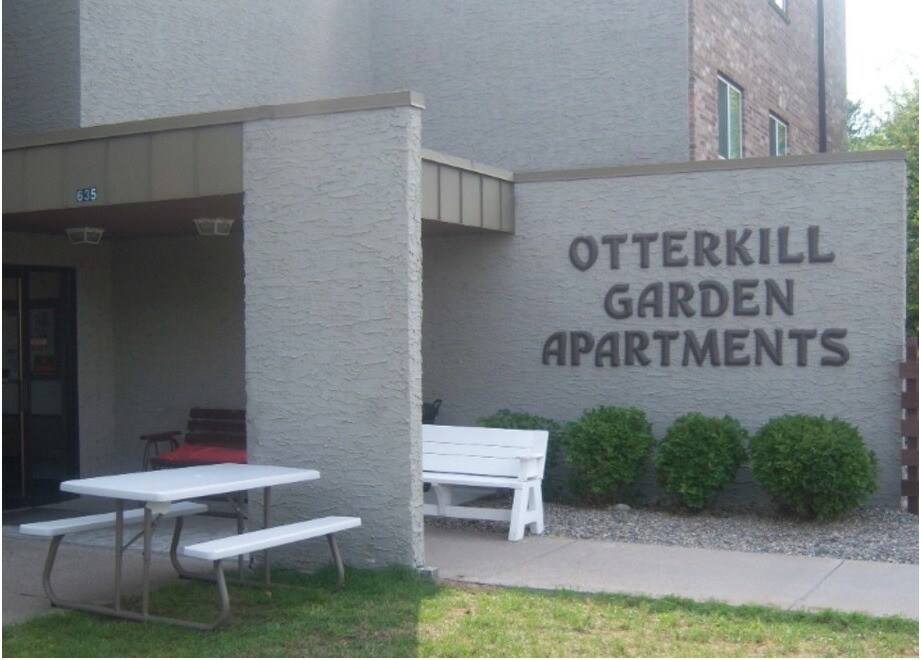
(773, 298)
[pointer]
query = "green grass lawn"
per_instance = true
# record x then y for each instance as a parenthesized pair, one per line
(396, 613)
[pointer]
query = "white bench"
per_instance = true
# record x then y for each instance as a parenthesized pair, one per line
(272, 537)
(51, 528)
(486, 458)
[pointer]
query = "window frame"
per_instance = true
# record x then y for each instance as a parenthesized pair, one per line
(774, 123)
(725, 115)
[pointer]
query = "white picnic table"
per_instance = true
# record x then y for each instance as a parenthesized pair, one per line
(161, 491)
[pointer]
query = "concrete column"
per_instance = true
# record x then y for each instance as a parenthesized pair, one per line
(333, 311)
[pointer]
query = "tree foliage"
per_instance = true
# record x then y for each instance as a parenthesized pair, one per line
(898, 129)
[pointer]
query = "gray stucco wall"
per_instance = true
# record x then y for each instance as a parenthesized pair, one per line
(99, 449)
(178, 335)
(492, 302)
(333, 321)
(541, 84)
(41, 76)
(172, 57)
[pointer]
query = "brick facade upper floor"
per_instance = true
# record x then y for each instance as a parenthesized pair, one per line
(770, 51)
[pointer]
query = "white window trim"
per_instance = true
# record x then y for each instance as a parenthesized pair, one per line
(722, 80)
(774, 122)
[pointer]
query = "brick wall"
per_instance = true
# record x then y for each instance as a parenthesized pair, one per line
(772, 57)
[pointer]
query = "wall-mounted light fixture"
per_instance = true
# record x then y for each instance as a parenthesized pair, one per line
(85, 235)
(213, 226)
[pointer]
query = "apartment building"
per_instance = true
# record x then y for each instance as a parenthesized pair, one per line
(473, 155)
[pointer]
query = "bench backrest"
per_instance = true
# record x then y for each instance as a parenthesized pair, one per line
(481, 451)
(217, 427)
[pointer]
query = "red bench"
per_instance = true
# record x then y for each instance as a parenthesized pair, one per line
(214, 435)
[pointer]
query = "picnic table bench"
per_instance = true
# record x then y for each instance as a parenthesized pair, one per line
(486, 458)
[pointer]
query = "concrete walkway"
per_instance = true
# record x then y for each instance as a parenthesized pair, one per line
(784, 581)
(85, 562)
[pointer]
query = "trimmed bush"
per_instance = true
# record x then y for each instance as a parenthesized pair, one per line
(557, 475)
(812, 466)
(608, 447)
(698, 457)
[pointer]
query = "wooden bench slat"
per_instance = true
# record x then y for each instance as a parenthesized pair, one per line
(103, 520)
(485, 451)
(482, 481)
(217, 426)
(216, 439)
(474, 435)
(233, 546)
(217, 413)
(495, 467)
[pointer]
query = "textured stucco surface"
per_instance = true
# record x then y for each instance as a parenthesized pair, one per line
(491, 302)
(41, 77)
(178, 329)
(99, 450)
(539, 85)
(333, 321)
(171, 57)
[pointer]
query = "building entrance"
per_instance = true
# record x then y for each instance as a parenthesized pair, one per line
(40, 443)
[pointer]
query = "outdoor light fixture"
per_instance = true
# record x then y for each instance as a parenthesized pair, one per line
(85, 235)
(213, 226)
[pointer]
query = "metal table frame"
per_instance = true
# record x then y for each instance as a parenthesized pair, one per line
(162, 487)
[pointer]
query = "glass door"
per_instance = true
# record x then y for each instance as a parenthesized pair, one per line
(40, 447)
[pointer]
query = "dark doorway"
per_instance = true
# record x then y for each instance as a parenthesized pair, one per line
(40, 443)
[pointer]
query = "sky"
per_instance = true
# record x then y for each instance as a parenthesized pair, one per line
(882, 48)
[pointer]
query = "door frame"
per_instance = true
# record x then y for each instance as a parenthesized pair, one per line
(66, 338)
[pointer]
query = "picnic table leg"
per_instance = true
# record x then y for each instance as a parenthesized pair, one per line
(145, 580)
(266, 501)
(241, 527)
(119, 538)
(49, 564)
(337, 558)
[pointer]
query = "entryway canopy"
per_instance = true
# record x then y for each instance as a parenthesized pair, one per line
(191, 166)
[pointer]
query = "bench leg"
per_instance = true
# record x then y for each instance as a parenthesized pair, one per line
(442, 498)
(527, 512)
(49, 564)
(337, 558)
(519, 514)
(536, 506)
(222, 593)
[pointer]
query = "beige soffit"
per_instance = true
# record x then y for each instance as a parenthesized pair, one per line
(188, 157)
(463, 194)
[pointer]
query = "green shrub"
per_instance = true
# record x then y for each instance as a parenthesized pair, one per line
(558, 477)
(699, 457)
(812, 466)
(608, 447)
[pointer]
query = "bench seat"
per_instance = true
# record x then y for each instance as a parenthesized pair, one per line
(475, 480)
(51, 528)
(218, 550)
(486, 458)
(233, 546)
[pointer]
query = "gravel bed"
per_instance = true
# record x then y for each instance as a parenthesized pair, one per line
(870, 533)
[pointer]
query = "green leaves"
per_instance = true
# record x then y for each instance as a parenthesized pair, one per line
(699, 457)
(608, 447)
(812, 466)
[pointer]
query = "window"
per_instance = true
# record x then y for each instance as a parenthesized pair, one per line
(730, 119)
(778, 136)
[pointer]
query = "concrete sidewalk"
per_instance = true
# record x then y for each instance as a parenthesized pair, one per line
(784, 581)
(787, 582)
